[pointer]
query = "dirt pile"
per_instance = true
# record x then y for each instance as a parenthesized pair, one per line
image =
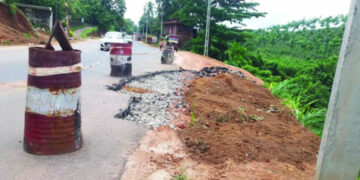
(227, 127)
(192, 61)
(17, 29)
(234, 119)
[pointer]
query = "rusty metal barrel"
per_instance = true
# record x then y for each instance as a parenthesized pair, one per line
(120, 59)
(168, 55)
(52, 115)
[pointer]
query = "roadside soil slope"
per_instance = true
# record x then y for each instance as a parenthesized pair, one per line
(192, 61)
(230, 128)
(235, 119)
(17, 29)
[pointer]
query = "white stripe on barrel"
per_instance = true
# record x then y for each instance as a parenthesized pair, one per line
(49, 71)
(62, 102)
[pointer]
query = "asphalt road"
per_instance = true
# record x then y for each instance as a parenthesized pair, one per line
(107, 141)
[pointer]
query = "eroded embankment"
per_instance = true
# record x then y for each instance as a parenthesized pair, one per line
(17, 29)
(238, 120)
(214, 124)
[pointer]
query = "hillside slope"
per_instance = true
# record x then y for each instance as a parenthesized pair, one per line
(17, 29)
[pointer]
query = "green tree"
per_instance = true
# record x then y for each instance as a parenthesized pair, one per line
(107, 14)
(129, 26)
(149, 18)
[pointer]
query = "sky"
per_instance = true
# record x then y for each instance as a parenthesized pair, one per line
(135, 9)
(278, 11)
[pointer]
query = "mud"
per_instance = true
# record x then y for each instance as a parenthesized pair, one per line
(237, 120)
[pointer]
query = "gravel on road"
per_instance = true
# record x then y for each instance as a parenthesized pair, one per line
(166, 91)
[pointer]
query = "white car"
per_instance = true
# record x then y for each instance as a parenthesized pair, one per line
(129, 38)
(111, 37)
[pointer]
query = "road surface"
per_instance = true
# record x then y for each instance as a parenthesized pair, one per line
(107, 141)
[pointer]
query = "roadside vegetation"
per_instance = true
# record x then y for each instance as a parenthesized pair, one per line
(75, 28)
(296, 60)
(108, 15)
(88, 32)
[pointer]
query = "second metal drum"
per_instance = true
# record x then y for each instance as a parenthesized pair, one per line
(120, 59)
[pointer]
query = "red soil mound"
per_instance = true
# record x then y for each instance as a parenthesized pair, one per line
(189, 60)
(17, 30)
(18, 22)
(240, 121)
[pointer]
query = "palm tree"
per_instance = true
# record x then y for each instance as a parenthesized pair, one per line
(149, 9)
(149, 12)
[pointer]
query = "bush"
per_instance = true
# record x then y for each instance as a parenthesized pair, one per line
(88, 32)
(71, 33)
(312, 118)
(12, 8)
(27, 36)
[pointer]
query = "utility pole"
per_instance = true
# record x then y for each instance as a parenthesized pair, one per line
(207, 35)
(162, 19)
(147, 26)
(339, 154)
(143, 30)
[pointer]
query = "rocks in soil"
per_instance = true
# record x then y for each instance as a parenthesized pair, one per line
(166, 92)
(213, 71)
(152, 109)
(141, 78)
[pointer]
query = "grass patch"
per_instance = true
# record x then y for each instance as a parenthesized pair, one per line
(6, 42)
(312, 118)
(222, 118)
(75, 28)
(27, 36)
(256, 118)
(181, 176)
(88, 32)
(193, 115)
(12, 10)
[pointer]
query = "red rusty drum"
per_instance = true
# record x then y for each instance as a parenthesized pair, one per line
(120, 59)
(52, 115)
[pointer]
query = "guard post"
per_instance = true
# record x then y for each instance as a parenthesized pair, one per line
(120, 59)
(52, 115)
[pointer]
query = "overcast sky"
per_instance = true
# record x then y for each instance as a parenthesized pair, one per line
(135, 9)
(279, 11)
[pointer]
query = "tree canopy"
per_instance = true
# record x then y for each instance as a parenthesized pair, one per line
(107, 14)
(224, 13)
